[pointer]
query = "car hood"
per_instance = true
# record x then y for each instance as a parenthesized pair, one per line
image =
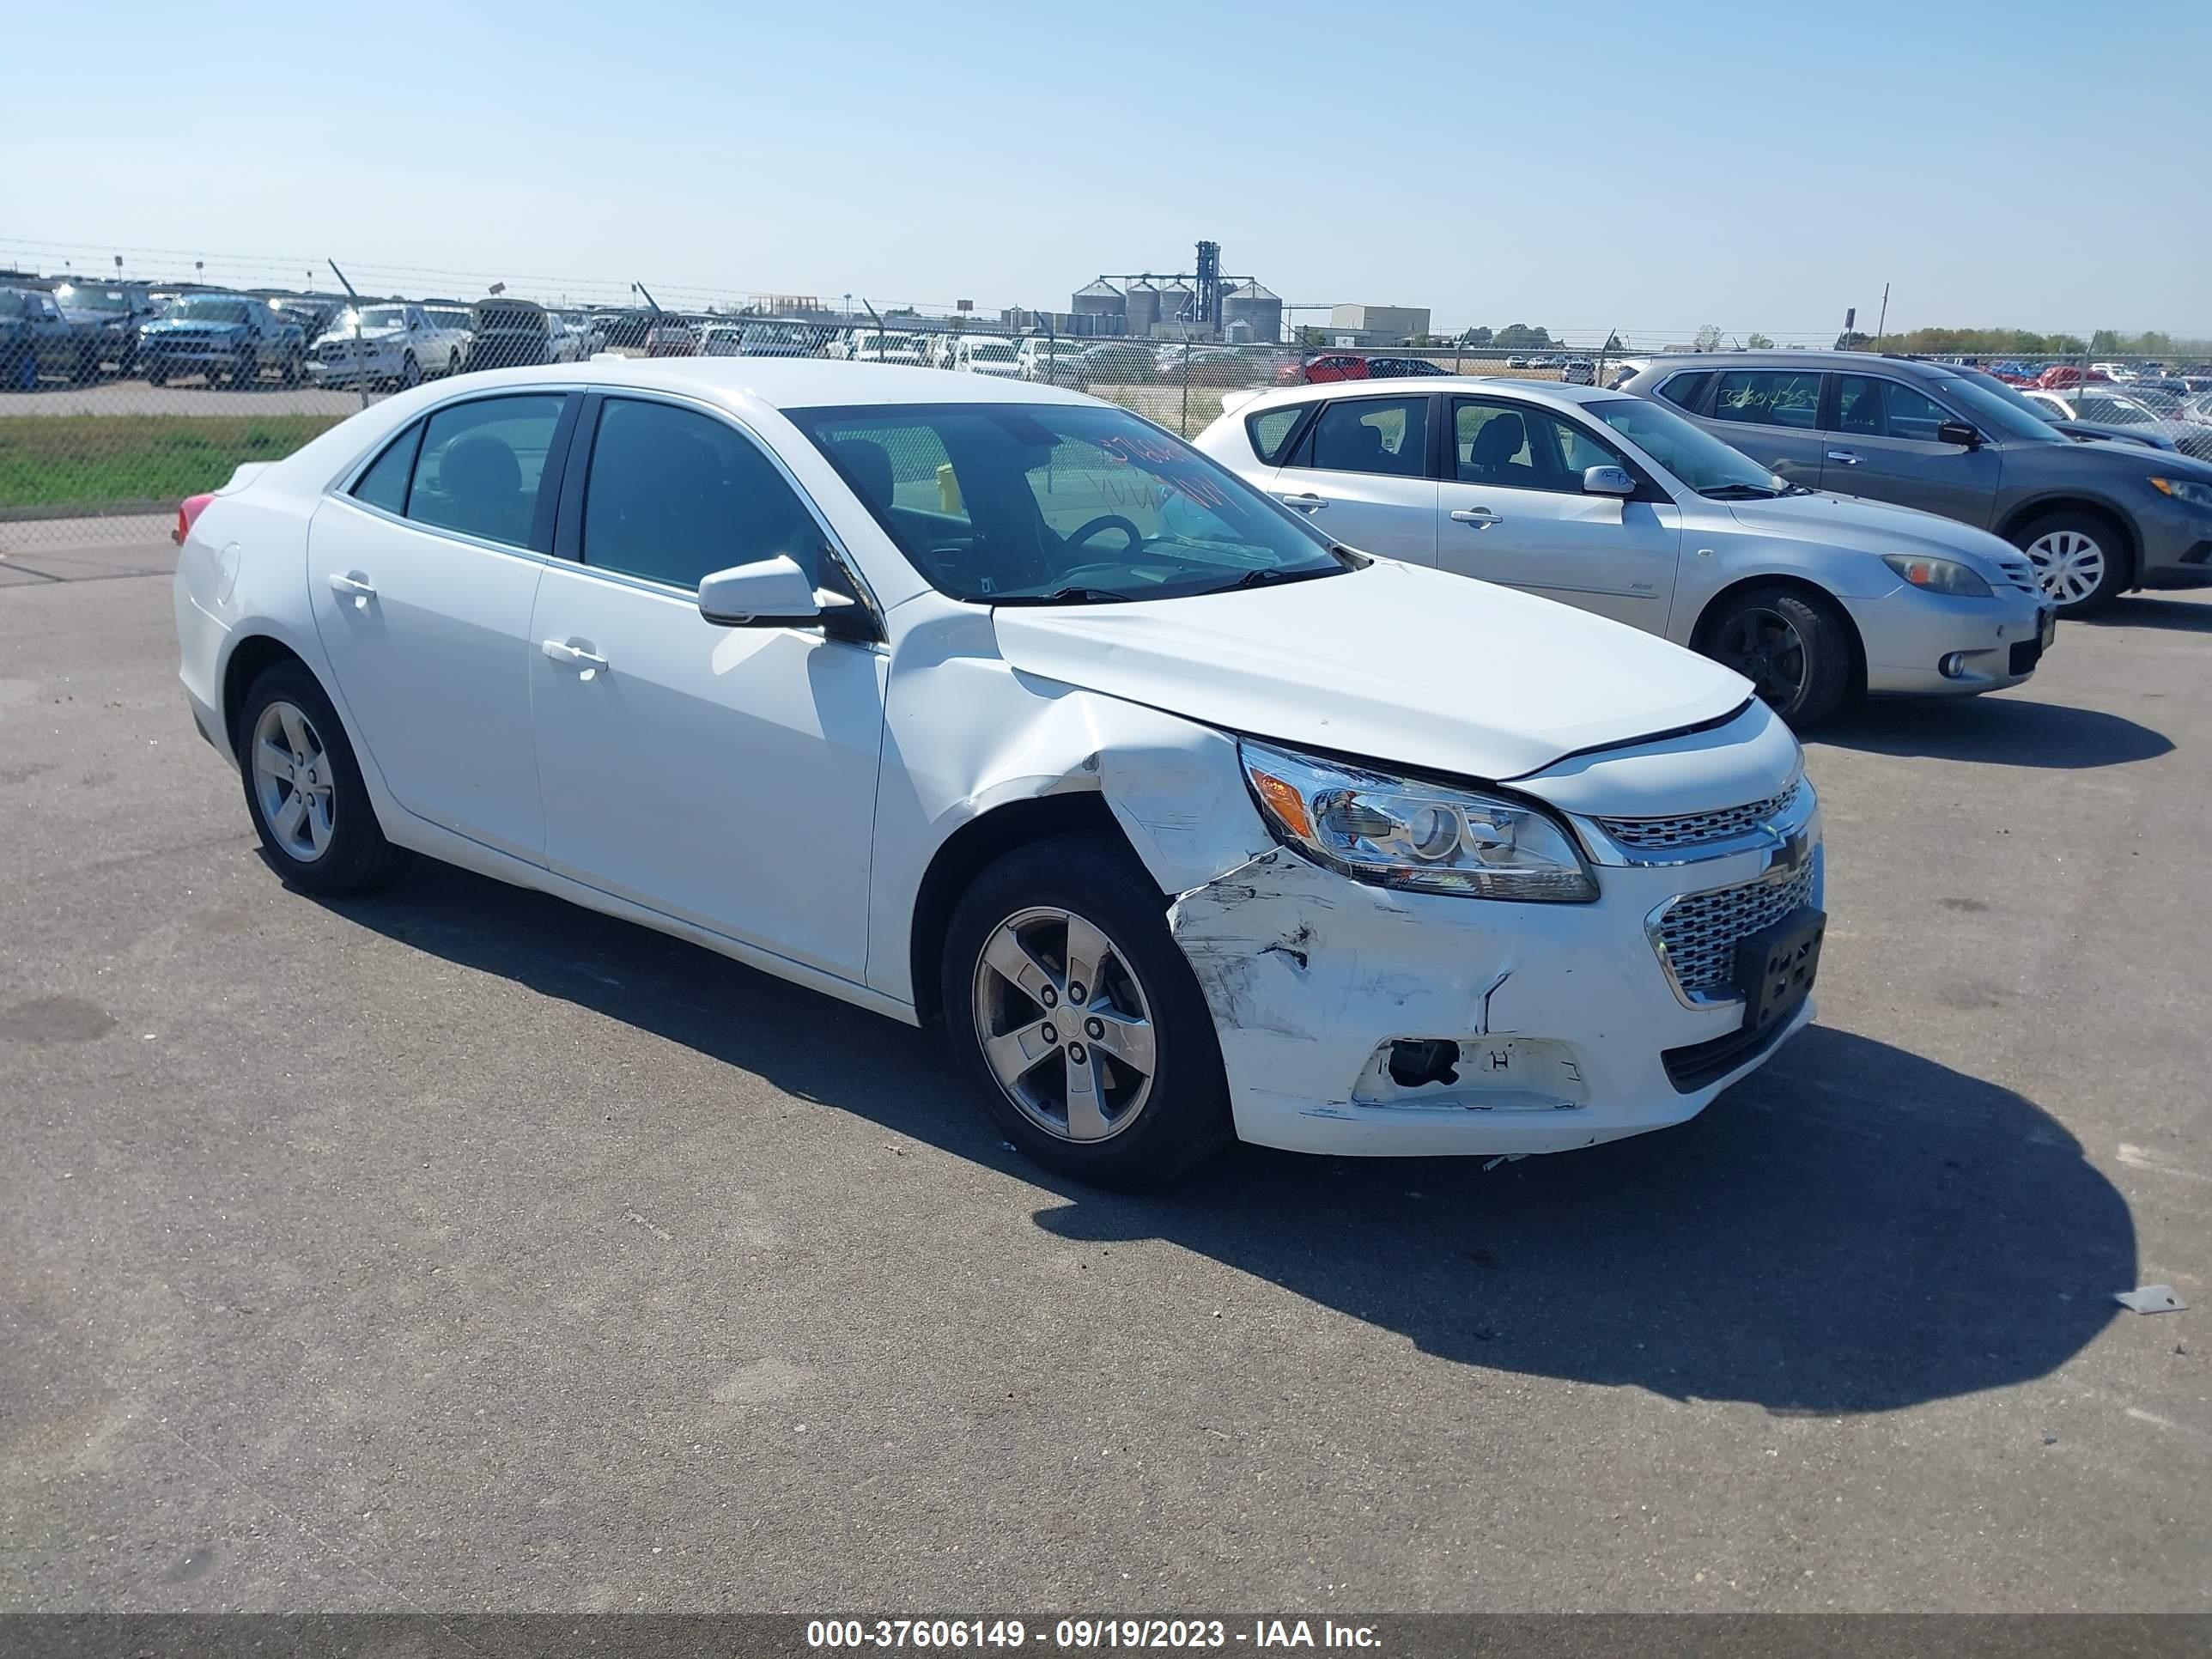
(370, 336)
(190, 326)
(1877, 527)
(1392, 662)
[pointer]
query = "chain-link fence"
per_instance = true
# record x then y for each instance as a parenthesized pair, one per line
(121, 394)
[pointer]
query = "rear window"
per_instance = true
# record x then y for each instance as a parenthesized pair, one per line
(1271, 431)
(1787, 397)
(1687, 390)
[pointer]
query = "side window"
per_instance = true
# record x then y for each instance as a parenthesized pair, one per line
(480, 464)
(1517, 447)
(1271, 430)
(1769, 397)
(673, 495)
(384, 483)
(1912, 414)
(1858, 405)
(1687, 390)
(1384, 435)
(1867, 406)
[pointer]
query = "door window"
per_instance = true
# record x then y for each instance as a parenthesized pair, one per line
(481, 462)
(1870, 407)
(673, 495)
(384, 483)
(1271, 429)
(1512, 445)
(1768, 397)
(1684, 390)
(1384, 435)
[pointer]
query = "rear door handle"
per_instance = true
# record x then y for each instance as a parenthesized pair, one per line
(1481, 517)
(1306, 503)
(1848, 457)
(352, 585)
(575, 656)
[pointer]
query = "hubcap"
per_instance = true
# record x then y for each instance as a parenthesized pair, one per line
(2068, 563)
(1065, 1027)
(1763, 646)
(292, 781)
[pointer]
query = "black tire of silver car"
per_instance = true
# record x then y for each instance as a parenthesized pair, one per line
(310, 762)
(411, 372)
(245, 369)
(452, 364)
(1010, 991)
(1791, 646)
(2080, 559)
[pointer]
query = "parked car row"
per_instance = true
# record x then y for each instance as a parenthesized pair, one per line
(1186, 820)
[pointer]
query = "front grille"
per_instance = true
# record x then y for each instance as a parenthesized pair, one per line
(1700, 931)
(2021, 575)
(1696, 829)
(1701, 1065)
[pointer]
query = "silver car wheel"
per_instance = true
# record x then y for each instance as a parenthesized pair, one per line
(1064, 1024)
(293, 782)
(2069, 565)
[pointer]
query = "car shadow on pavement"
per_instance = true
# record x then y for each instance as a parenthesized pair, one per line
(1853, 1229)
(2140, 611)
(2009, 730)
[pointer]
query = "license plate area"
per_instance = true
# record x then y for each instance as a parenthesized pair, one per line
(1775, 967)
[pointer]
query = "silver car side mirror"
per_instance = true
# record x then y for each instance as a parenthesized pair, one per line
(1608, 481)
(767, 593)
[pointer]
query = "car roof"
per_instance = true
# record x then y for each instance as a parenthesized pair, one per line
(783, 383)
(1555, 392)
(1841, 361)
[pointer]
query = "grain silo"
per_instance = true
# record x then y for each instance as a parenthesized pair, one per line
(1178, 301)
(1259, 309)
(1143, 308)
(1102, 301)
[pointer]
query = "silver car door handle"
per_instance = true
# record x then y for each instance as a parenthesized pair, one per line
(1481, 517)
(1307, 503)
(574, 655)
(359, 589)
(1848, 457)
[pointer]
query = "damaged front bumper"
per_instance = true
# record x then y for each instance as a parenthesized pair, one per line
(1364, 1020)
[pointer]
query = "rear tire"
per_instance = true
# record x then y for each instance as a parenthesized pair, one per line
(2081, 558)
(1056, 909)
(1794, 647)
(305, 794)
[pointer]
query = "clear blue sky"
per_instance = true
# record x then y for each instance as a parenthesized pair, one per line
(1652, 166)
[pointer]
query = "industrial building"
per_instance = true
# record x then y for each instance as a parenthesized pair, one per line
(1199, 304)
(1363, 324)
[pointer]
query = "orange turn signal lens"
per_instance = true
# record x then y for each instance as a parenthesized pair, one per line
(1285, 801)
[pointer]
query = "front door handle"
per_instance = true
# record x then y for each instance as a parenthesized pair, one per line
(1306, 503)
(352, 585)
(1845, 457)
(575, 656)
(1481, 517)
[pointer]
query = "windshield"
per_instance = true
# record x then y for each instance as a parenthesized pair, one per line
(448, 318)
(2019, 400)
(1998, 413)
(1696, 456)
(1047, 503)
(992, 352)
(111, 300)
(383, 316)
(197, 310)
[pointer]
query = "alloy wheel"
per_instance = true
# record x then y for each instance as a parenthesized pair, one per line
(1065, 1027)
(2069, 565)
(1765, 648)
(294, 783)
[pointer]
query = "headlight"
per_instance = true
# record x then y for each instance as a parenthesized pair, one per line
(1408, 833)
(1938, 575)
(2195, 492)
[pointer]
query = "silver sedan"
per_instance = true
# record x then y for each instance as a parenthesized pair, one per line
(1617, 505)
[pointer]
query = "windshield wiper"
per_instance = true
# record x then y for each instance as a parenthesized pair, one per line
(1269, 576)
(1740, 492)
(1066, 596)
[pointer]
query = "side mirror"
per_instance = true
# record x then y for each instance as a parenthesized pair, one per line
(1958, 433)
(767, 593)
(1608, 481)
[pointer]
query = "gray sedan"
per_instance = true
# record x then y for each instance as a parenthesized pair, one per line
(2096, 519)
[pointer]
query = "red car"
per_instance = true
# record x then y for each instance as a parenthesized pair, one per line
(1354, 366)
(2065, 375)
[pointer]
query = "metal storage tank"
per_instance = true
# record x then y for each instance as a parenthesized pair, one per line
(1100, 300)
(1259, 308)
(1178, 302)
(1143, 306)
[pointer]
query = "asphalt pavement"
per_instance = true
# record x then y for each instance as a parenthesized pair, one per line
(456, 1249)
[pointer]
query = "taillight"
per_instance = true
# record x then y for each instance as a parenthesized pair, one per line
(188, 511)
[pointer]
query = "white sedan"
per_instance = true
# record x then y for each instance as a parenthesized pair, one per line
(981, 701)
(1617, 505)
(388, 345)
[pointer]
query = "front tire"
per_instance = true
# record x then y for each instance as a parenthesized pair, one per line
(304, 791)
(244, 372)
(2079, 558)
(1072, 1009)
(411, 372)
(1794, 647)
